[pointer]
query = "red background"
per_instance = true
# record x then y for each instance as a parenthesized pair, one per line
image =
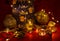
(48, 5)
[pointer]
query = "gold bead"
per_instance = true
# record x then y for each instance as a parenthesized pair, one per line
(53, 18)
(57, 21)
(30, 9)
(22, 18)
(29, 1)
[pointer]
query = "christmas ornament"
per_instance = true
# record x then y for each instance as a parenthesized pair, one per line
(30, 9)
(10, 21)
(42, 32)
(29, 25)
(51, 23)
(42, 17)
(23, 20)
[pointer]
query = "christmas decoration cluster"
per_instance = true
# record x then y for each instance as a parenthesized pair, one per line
(24, 20)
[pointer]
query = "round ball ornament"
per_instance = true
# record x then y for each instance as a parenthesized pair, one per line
(9, 21)
(42, 17)
(42, 32)
(51, 26)
(22, 18)
(51, 23)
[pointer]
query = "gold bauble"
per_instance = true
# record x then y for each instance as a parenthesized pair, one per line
(42, 17)
(51, 23)
(30, 9)
(42, 32)
(52, 29)
(22, 18)
(29, 25)
(29, 1)
(10, 21)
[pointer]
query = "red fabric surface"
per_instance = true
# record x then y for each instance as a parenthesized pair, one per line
(28, 37)
(49, 5)
(56, 35)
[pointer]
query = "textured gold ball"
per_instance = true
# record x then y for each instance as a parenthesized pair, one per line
(42, 17)
(9, 21)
